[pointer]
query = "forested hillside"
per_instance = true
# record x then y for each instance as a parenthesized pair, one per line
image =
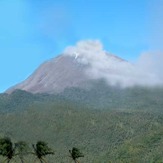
(106, 124)
(103, 136)
(98, 96)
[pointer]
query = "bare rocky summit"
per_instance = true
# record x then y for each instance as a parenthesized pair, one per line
(55, 75)
(75, 67)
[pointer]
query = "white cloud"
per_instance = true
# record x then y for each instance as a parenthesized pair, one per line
(146, 71)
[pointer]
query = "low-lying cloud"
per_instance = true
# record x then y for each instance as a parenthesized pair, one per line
(146, 71)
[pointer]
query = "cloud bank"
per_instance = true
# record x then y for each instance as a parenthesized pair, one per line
(146, 71)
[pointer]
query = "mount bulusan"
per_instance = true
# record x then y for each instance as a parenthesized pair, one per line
(77, 66)
(109, 108)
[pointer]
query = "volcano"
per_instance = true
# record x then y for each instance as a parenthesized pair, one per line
(75, 67)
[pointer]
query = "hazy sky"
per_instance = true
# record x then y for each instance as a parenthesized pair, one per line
(32, 31)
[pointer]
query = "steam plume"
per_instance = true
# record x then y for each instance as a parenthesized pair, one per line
(145, 72)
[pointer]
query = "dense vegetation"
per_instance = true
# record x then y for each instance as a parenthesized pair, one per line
(99, 96)
(128, 128)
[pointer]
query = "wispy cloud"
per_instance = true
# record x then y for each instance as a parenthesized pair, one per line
(156, 24)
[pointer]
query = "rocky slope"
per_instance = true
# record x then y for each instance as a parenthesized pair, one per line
(62, 72)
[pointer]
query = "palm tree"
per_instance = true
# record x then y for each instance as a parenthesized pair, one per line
(75, 154)
(7, 149)
(41, 150)
(22, 149)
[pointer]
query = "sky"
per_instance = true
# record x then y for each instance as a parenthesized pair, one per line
(32, 31)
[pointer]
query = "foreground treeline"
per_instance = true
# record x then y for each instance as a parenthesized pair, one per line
(18, 151)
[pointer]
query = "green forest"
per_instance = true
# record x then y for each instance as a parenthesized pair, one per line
(117, 132)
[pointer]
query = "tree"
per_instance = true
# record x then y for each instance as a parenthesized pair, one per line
(41, 150)
(22, 150)
(75, 154)
(7, 149)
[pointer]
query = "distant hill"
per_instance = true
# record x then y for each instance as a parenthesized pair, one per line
(98, 96)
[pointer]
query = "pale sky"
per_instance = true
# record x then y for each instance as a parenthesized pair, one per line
(32, 31)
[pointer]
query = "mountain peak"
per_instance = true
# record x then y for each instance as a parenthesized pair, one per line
(86, 51)
(74, 68)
